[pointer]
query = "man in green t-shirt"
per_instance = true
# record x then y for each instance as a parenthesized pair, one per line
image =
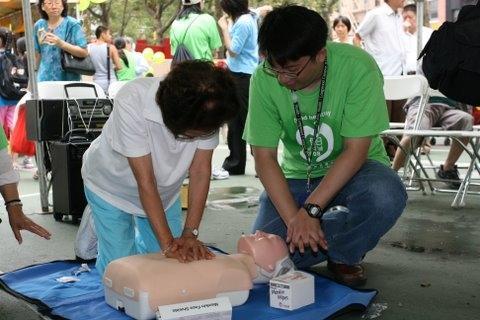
(325, 102)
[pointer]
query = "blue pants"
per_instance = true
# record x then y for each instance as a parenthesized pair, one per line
(121, 234)
(375, 197)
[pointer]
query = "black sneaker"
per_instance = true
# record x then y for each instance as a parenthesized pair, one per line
(451, 175)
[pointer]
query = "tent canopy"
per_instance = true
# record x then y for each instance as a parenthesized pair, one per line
(9, 6)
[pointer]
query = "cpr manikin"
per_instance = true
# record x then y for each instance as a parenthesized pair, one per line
(139, 284)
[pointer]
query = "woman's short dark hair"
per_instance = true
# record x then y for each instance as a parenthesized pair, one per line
(186, 10)
(235, 8)
(291, 32)
(119, 43)
(343, 20)
(196, 95)
(45, 15)
(410, 7)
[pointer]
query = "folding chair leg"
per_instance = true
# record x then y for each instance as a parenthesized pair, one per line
(459, 200)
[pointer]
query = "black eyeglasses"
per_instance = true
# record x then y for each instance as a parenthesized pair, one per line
(186, 136)
(287, 74)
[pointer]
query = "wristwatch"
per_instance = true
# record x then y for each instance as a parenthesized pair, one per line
(313, 210)
(193, 231)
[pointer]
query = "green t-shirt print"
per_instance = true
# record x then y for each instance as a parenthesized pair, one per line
(354, 106)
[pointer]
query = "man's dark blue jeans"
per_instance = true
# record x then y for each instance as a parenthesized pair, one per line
(375, 198)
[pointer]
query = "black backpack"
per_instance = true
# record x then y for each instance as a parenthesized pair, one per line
(13, 77)
(451, 58)
(181, 52)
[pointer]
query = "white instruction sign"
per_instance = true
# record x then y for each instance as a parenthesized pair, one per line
(210, 309)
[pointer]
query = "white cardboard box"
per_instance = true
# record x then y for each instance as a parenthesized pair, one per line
(209, 309)
(292, 290)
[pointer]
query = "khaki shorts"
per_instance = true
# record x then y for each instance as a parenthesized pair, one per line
(439, 115)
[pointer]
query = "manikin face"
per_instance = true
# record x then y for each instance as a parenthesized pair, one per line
(266, 249)
(53, 8)
(341, 30)
(299, 74)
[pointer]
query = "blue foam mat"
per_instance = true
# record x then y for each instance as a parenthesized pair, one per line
(84, 299)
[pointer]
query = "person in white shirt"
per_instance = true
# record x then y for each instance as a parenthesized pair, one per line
(342, 27)
(159, 131)
(383, 37)
(411, 45)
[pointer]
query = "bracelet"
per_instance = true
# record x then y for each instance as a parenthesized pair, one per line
(10, 202)
(14, 204)
(164, 252)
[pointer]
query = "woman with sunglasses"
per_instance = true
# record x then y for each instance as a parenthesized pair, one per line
(159, 131)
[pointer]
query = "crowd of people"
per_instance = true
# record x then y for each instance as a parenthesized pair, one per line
(283, 82)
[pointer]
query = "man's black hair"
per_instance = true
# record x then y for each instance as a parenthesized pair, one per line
(343, 20)
(100, 30)
(44, 15)
(188, 9)
(235, 8)
(291, 32)
(196, 95)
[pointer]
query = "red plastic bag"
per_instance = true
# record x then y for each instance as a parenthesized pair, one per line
(476, 115)
(18, 139)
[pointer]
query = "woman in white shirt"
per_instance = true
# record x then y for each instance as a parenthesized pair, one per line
(342, 27)
(159, 131)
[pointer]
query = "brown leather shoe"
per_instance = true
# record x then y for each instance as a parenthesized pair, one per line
(352, 276)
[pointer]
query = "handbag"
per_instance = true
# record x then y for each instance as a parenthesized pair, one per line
(70, 63)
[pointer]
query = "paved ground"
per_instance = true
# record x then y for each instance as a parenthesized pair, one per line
(426, 267)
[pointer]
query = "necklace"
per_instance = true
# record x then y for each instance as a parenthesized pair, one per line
(52, 27)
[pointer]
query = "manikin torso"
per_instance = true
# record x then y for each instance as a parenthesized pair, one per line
(164, 281)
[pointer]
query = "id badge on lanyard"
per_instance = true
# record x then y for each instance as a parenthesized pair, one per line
(298, 116)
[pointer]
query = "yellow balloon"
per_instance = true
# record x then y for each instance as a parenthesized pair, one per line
(83, 5)
(98, 1)
(159, 57)
(148, 54)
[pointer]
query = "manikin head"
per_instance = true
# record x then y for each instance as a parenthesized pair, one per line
(269, 252)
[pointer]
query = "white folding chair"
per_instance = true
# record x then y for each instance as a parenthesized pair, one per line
(401, 88)
(397, 88)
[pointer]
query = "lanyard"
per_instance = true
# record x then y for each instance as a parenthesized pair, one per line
(299, 122)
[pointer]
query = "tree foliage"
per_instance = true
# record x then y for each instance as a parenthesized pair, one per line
(151, 19)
